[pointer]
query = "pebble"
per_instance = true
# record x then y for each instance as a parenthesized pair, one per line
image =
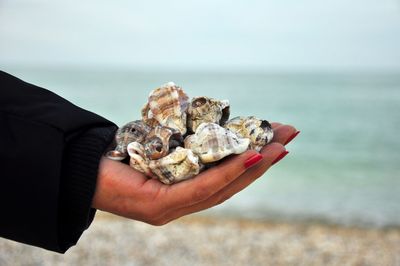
(199, 240)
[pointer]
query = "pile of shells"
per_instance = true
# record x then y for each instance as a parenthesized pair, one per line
(178, 138)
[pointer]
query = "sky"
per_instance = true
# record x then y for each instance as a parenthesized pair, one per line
(207, 34)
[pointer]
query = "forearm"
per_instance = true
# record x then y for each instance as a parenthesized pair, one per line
(49, 155)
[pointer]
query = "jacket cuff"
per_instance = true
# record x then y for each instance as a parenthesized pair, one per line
(78, 183)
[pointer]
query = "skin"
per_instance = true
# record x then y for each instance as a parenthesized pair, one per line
(126, 192)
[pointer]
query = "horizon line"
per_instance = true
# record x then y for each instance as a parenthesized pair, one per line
(217, 69)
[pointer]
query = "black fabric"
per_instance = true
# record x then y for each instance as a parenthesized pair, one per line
(49, 155)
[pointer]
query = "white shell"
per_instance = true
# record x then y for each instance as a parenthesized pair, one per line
(211, 143)
(258, 131)
(138, 160)
(207, 110)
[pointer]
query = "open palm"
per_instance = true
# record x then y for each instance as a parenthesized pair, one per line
(126, 192)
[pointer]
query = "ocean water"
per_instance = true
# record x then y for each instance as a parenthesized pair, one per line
(344, 168)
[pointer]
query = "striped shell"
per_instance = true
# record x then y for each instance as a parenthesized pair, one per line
(211, 143)
(258, 131)
(179, 165)
(160, 140)
(133, 131)
(167, 106)
(207, 110)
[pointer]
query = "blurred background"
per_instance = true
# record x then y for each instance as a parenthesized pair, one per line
(330, 68)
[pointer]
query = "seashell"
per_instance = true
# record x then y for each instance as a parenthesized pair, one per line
(138, 159)
(155, 143)
(258, 131)
(179, 165)
(167, 106)
(147, 116)
(211, 142)
(207, 110)
(133, 131)
(160, 140)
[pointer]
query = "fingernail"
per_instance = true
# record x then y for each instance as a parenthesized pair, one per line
(292, 137)
(280, 157)
(253, 160)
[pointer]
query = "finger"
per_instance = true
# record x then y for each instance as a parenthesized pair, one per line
(275, 125)
(283, 133)
(270, 153)
(207, 183)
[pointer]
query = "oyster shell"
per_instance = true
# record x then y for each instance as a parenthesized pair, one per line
(167, 106)
(179, 165)
(207, 110)
(132, 131)
(160, 140)
(211, 142)
(258, 131)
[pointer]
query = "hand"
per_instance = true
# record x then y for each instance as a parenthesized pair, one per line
(124, 191)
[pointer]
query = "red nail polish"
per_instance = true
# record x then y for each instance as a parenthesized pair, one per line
(280, 157)
(292, 137)
(253, 160)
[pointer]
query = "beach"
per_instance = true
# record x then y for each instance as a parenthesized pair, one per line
(332, 201)
(330, 69)
(205, 240)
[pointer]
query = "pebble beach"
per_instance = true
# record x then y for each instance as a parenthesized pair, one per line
(200, 240)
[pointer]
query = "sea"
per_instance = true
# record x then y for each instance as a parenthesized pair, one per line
(344, 167)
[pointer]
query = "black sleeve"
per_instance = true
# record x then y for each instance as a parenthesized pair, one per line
(49, 155)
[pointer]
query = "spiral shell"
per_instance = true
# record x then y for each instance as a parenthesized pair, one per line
(167, 107)
(258, 131)
(138, 160)
(179, 165)
(211, 143)
(131, 132)
(207, 110)
(160, 140)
